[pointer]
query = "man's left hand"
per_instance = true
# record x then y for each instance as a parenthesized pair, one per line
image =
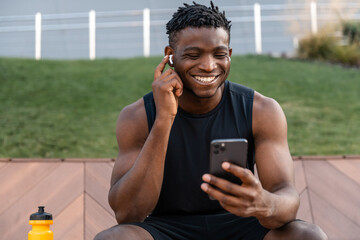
(248, 199)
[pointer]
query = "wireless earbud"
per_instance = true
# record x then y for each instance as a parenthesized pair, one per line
(171, 60)
(229, 58)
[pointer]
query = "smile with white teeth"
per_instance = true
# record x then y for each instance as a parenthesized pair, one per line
(205, 79)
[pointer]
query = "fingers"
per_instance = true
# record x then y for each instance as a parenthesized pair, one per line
(233, 198)
(160, 68)
(247, 199)
(218, 195)
(237, 205)
(167, 87)
(245, 175)
(174, 85)
(169, 80)
(178, 87)
(168, 75)
(228, 187)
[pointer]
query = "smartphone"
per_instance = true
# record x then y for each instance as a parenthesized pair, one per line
(228, 150)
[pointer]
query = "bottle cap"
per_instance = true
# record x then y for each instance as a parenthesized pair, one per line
(41, 215)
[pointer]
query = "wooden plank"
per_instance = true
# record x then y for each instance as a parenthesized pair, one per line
(69, 224)
(19, 178)
(339, 157)
(357, 157)
(56, 191)
(334, 187)
(350, 168)
(304, 212)
(3, 164)
(338, 190)
(97, 218)
(88, 160)
(36, 159)
(334, 223)
(97, 183)
(69, 180)
(300, 182)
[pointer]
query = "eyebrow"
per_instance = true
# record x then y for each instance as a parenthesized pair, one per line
(219, 48)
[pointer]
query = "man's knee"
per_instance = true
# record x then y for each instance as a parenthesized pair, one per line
(100, 236)
(124, 232)
(305, 230)
(298, 230)
(108, 234)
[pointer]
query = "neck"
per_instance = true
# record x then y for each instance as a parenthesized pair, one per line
(193, 104)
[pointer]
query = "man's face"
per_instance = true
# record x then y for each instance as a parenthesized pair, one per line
(201, 59)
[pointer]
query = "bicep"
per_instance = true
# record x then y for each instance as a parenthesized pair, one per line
(131, 134)
(272, 155)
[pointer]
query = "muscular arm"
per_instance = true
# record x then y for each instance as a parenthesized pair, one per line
(273, 200)
(138, 171)
(274, 163)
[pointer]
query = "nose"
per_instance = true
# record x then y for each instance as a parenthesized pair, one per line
(208, 63)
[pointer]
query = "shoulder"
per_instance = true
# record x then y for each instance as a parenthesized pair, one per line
(265, 105)
(132, 112)
(132, 126)
(268, 116)
(238, 89)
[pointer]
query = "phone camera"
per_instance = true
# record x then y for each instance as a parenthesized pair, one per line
(216, 151)
(222, 147)
(216, 145)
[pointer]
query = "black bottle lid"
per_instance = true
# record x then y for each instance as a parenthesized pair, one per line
(41, 215)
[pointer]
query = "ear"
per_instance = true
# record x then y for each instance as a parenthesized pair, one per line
(230, 53)
(169, 51)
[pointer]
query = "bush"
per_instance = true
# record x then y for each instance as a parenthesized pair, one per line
(325, 46)
(348, 55)
(351, 31)
(316, 46)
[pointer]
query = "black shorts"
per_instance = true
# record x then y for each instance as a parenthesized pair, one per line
(221, 226)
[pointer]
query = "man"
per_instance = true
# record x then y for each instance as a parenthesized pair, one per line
(160, 186)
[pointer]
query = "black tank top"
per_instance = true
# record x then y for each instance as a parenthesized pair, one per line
(187, 157)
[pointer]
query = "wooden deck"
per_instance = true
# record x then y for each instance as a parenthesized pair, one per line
(75, 192)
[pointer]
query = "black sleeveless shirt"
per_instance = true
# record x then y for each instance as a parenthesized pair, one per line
(187, 157)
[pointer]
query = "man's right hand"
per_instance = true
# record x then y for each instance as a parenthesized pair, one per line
(167, 88)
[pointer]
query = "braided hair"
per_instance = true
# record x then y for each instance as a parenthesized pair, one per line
(196, 16)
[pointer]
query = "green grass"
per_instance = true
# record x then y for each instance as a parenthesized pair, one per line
(69, 108)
